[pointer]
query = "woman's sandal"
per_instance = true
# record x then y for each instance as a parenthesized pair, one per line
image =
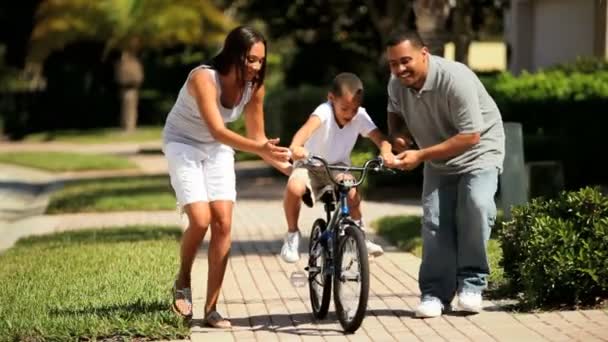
(184, 294)
(215, 320)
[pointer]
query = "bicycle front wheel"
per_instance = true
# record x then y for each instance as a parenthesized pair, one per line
(319, 279)
(351, 279)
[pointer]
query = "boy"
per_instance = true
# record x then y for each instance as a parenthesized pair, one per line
(330, 132)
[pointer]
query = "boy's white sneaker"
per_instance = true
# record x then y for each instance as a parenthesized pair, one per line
(290, 250)
(469, 301)
(429, 307)
(373, 249)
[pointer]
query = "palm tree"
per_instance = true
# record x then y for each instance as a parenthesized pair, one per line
(126, 26)
(431, 19)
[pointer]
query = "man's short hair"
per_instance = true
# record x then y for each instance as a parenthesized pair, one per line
(402, 35)
(349, 82)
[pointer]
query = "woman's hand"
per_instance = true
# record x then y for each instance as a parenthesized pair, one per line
(271, 150)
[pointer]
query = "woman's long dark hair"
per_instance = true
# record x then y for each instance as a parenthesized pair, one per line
(234, 53)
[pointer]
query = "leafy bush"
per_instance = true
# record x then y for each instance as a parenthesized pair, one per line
(552, 86)
(556, 251)
(563, 117)
(586, 65)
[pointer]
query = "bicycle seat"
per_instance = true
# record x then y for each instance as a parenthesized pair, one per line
(328, 194)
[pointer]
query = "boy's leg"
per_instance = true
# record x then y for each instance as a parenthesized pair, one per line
(297, 186)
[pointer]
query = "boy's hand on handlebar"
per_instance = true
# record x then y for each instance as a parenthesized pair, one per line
(389, 159)
(298, 153)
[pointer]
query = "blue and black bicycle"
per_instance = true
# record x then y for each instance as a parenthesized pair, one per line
(337, 251)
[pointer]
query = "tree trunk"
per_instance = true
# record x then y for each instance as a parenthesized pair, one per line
(129, 97)
(129, 75)
(387, 16)
(431, 18)
(463, 33)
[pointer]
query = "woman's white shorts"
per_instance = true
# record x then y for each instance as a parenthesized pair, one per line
(201, 175)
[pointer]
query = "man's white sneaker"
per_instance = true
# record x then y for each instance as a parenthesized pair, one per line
(373, 249)
(428, 308)
(469, 301)
(290, 250)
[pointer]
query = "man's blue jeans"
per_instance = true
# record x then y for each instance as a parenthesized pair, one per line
(458, 214)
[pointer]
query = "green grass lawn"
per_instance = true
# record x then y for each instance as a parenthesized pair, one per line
(87, 285)
(98, 136)
(114, 194)
(64, 161)
(404, 232)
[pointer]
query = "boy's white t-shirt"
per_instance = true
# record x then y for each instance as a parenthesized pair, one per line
(334, 143)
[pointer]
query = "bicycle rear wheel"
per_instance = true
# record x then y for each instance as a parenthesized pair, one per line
(319, 280)
(351, 279)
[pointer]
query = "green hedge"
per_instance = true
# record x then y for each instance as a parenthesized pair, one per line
(556, 251)
(563, 115)
(586, 65)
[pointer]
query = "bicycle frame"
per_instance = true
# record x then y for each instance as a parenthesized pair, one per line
(341, 212)
(328, 239)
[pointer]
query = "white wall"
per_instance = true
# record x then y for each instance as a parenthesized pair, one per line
(542, 33)
(562, 30)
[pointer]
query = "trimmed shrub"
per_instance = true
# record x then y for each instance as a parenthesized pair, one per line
(563, 117)
(556, 251)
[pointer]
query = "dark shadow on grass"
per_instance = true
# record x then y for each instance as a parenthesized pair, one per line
(109, 235)
(118, 310)
(122, 187)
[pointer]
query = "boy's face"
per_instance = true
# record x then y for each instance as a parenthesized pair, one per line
(345, 106)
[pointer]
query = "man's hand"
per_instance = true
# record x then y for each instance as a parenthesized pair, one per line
(409, 159)
(298, 152)
(400, 144)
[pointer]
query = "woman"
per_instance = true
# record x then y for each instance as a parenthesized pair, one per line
(198, 147)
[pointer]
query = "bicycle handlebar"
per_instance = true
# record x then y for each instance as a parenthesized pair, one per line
(376, 164)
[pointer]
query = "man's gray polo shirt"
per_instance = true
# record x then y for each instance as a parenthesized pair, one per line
(451, 101)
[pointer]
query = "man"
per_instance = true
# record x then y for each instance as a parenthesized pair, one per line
(443, 108)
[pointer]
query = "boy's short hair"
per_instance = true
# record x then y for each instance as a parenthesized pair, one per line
(349, 82)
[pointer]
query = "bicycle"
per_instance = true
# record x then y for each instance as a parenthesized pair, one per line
(327, 251)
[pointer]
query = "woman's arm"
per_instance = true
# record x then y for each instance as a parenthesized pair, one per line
(254, 124)
(204, 91)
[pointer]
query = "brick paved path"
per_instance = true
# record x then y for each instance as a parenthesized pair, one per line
(263, 305)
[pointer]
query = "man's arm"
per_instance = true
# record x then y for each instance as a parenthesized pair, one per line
(467, 119)
(398, 133)
(410, 159)
(452, 147)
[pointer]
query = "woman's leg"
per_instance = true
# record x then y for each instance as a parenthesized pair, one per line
(199, 216)
(219, 250)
